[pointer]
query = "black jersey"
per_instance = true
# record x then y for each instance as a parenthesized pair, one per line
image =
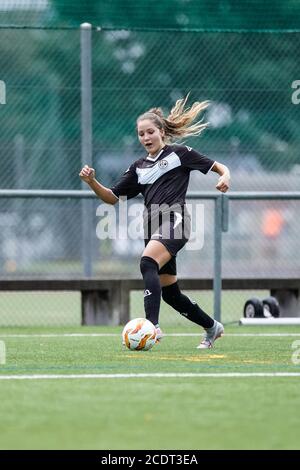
(164, 179)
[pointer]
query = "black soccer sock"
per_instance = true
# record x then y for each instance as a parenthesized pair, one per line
(152, 292)
(185, 306)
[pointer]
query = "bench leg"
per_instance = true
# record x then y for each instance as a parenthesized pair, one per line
(95, 308)
(289, 301)
(124, 305)
(107, 307)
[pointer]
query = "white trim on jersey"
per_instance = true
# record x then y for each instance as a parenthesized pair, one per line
(155, 158)
(150, 175)
(115, 195)
(211, 166)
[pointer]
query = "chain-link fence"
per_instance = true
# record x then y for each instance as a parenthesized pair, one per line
(247, 77)
(251, 81)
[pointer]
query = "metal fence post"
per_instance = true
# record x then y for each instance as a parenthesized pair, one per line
(86, 141)
(225, 213)
(217, 258)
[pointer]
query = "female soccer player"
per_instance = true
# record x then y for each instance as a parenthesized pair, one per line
(162, 177)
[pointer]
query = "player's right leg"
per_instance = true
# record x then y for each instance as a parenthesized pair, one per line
(154, 257)
(167, 276)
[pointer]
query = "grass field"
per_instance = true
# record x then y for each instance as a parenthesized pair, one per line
(62, 391)
(64, 308)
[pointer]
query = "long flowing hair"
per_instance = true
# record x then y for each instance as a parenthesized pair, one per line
(180, 122)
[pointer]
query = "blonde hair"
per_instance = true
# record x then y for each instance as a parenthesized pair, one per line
(179, 122)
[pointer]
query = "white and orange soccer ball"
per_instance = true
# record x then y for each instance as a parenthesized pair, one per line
(139, 334)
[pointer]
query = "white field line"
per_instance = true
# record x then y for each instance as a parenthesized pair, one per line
(99, 335)
(152, 375)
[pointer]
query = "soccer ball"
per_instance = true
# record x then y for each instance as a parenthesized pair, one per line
(139, 334)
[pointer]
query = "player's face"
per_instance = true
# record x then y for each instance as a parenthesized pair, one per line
(150, 136)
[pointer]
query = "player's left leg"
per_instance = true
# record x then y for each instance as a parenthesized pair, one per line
(173, 296)
(211, 334)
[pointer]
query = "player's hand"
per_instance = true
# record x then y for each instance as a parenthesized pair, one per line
(223, 184)
(87, 174)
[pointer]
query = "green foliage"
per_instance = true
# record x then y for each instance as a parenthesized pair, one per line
(248, 76)
(182, 13)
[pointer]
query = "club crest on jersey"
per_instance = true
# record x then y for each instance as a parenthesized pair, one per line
(163, 164)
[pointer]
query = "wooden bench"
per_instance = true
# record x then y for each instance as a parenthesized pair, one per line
(107, 301)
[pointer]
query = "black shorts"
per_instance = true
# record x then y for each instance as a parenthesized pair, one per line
(170, 267)
(173, 231)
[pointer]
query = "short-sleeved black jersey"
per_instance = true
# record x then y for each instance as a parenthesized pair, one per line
(164, 179)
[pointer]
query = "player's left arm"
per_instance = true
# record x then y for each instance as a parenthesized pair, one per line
(224, 180)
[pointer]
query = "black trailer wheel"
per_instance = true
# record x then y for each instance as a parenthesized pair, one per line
(271, 305)
(253, 308)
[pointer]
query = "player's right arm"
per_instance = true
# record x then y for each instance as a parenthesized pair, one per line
(88, 175)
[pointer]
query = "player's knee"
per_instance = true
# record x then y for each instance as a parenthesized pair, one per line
(171, 294)
(148, 264)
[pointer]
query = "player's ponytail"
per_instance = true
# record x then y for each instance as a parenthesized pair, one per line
(179, 123)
